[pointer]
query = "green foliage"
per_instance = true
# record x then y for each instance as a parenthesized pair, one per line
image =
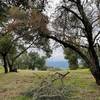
(3, 11)
(31, 60)
(72, 57)
(7, 47)
(24, 24)
(37, 61)
(5, 43)
(21, 98)
(30, 27)
(83, 64)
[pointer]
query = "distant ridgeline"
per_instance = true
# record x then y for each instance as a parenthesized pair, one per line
(58, 64)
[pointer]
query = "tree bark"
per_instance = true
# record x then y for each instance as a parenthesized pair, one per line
(5, 63)
(12, 69)
(95, 68)
(10, 65)
(94, 61)
(96, 74)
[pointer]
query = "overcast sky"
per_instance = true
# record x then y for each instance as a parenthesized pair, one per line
(57, 53)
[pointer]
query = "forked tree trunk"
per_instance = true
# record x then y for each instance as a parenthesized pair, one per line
(12, 69)
(10, 65)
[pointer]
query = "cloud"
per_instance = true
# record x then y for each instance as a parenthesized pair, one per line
(57, 55)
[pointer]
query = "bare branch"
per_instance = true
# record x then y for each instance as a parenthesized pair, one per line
(65, 44)
(95, 20)
(96, 36)
(22, 51)
(73, 1)
(74, 26)
(67, 9)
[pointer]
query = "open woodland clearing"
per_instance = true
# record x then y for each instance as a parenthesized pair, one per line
(30, 33)
(80, 84)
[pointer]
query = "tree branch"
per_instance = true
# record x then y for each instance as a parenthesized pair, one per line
(76, 26)
(22, 51)
(96, 36)
(73, 1)
(95, 20)
(67, 9)
(65, 44)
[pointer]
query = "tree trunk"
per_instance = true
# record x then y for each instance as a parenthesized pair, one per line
(10, 65)
(10, 68)
(95, 66)
(96, 74)
(95, 70)
(5, 63)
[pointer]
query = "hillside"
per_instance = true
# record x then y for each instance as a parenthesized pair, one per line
(58, 64)
(79, 84)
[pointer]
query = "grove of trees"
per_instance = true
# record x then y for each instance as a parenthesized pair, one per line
(72, 58)
(76, 26)
(31, 60)
(16, 20)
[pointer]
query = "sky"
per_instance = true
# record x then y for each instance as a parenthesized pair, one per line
(58, 52)
(57, 55)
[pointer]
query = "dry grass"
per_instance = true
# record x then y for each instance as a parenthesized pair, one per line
(80, 84)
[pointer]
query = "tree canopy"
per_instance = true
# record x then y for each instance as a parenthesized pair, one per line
(76, 26)
(20, 22)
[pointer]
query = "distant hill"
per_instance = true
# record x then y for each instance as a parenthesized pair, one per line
(57, 64)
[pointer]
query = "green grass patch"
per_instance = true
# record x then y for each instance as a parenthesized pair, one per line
(1, 69)
(80, 84)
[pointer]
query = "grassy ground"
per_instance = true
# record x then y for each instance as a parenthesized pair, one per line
(80, 84)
